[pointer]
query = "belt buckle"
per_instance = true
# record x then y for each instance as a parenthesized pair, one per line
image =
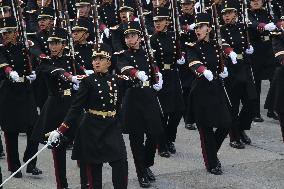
(240, 56)
(266, 38)
(146, 84)
(167, 66)
(108, 113)
(67, 92)
(21, 80)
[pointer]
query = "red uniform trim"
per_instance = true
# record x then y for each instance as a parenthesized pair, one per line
(261, 26)
(201, 69)
(133, 72)
(66, 74)
(7, 69)
(203, 148)
(228, 50)
(63, 128)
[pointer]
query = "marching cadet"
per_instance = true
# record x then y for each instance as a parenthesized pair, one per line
(276, 99)
(126, 13)
(84, 11)
(165, 54)
(99, 139)
(263, 60)
(187, 24)
(240, 83)
(58, 74)
(40, 49)
(18, 109)
(140, 107)
(207, 99)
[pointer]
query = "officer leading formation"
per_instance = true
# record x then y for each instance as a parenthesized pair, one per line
(82, 73)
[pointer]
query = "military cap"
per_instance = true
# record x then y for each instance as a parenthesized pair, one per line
(131, 27)
(125, 5)
(8, 24)
(57, 34)
(5, 4)
(230, 5)
(202, 18)
(160, 13)
(83, 3)
(187, 1)
(102, 50)
(46, 12)
(81, 24)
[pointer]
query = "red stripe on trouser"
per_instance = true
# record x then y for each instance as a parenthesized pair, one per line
(233, 135)
(203, 148)
(8, 151)
(58, 182)
(90, 176)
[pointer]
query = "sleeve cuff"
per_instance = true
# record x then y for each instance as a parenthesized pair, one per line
(63, 128)
(228, 50)
(133, 72)
(201, 69)
(8, 69)
(261, 26)
(102, 27)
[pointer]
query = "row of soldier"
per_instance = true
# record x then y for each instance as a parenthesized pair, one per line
(86, 72)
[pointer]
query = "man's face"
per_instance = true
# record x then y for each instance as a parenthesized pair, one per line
(159, 3)
(101, 64)
(229, 17)
(9, 37)
(84, 10)
(45, 23)
(80, 36)
(132, 40)
(256, 4)
(125, 15)
(187, 8)
(5, 12)
(202, 31)
(160, 25)
(56, 48)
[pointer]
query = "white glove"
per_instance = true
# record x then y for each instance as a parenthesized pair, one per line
(158, 86)
(191, 26)
(14, 76)
(181, 61)
(89, 72)
(233, 57)
(142, 76)
(75, 80)
(225, 73)
(208, 75)
(250, 50)
(76, 86)
(54, 137)
(270, 27)
(31, 77)
(106, 32)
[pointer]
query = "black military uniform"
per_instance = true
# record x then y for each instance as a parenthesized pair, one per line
(99, 140)
(207, 100)
(140, 108)
(57, 71)
(240, 83)
(186, 76)
(275, 97)
(18, 110)
(40, 49)
(263, 60)
(170, 96)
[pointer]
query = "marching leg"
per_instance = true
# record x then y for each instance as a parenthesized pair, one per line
(174, 119)
(119, 174)
(59, 158)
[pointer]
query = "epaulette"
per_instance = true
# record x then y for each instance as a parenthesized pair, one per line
(190, 44)
(114, 27)
(119, 52)
(81, 77)
(147, 13)
(31, 11)
(29, 34)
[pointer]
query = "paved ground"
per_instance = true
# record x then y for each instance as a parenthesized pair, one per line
(260, 165)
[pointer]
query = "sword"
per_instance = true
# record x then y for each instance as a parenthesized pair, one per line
(43, 148)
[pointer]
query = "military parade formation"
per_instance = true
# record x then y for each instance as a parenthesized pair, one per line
(81, 73)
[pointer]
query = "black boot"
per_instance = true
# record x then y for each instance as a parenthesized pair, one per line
(190, 126)
(144, 182)
(215, 171)
(2, 155)
(273, 115)
(33, 170)
(18, 175)
(237, 145)
(244, 138)
(150, 175)
(258, 119)
(172, 148)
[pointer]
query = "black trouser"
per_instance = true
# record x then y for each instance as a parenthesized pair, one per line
(211, 142)
(241, 119)
(257, 101)
(119, 174)
(170, 124)
(59, 159)
(281, 118)
(83, 174)
(188, 119)
(143, 155)
(1, 145)
(12, 150)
